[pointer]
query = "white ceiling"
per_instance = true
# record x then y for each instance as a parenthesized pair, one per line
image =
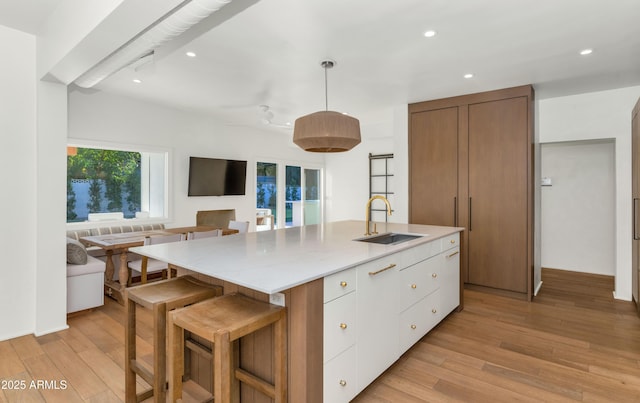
(26, 15)
(270, 53)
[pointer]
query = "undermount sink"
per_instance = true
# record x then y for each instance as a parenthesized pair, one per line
(389, 238)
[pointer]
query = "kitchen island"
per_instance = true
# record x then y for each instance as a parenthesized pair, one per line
(353, 307)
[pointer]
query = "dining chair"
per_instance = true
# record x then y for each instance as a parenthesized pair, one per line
(241, 226)
(203, 234)
(147, 265)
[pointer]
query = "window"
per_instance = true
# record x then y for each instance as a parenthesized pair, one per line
(129, 183)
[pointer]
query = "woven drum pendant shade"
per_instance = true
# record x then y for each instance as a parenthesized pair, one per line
(326, 132)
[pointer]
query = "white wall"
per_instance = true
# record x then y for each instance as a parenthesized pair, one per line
(50, 246)
(578, 209)
(348, 173)
(97, 116)
(18, 177)
(598, 115)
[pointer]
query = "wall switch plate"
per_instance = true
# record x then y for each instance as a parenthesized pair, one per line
(546, 182)
(277, 299)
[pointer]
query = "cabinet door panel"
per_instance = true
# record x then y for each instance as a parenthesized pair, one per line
(340, 326)
(635, 191)
(377, 309)
(498, 180)
(433, 145)
(450, 280)
(339, 383)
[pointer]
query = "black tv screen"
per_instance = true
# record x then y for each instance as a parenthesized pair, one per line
(216, 177)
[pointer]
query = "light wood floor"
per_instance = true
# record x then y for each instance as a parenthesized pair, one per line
(574, 343)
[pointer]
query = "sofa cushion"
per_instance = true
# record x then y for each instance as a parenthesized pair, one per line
(76, 252)
(93, 266)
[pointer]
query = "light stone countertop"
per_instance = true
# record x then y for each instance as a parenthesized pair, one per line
(274, 261)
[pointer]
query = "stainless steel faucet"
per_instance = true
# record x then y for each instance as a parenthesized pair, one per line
(367, 232)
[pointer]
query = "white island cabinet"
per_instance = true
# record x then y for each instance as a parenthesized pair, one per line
(352, 307)
(376, 311)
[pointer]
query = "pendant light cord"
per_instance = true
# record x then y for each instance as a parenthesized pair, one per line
(326, 90)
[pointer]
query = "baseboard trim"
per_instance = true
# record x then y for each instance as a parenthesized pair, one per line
(496, 291)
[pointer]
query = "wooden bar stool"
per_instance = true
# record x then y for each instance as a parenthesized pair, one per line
(160, 297)
(223, 321)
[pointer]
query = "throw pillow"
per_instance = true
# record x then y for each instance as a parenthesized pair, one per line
(76, 252)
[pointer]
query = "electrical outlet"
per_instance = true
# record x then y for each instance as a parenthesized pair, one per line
(277, 299)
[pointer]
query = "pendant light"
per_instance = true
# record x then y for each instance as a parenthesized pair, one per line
(326, 131)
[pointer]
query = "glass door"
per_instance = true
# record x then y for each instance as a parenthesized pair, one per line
(312, 211)
(302, 201)
(266, 196)
(293, 194)
(303, 190)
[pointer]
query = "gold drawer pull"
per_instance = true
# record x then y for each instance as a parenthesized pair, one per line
(434, 275)
(453, 241)
(413, 327)
(391, 266)
(433, 310)
(414, 286)
(453, 254)
(343, 326)
(343, 284)
(343, 382)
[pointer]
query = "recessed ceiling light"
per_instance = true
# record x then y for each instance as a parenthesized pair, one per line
(137, 80)
(468, 75)
(430, 33)
(586, 52)
(191, 54)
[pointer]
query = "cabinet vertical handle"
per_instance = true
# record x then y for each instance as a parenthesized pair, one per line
(470, 220)
(635, 219)
(455, 211)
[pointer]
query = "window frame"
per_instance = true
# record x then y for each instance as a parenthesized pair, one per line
(106, 145)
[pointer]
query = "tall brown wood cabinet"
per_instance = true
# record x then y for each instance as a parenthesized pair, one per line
(635, 190)
(471, 165)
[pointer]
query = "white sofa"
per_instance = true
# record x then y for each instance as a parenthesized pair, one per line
(85, 285)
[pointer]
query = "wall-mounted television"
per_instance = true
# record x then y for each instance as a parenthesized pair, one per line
(216, 177)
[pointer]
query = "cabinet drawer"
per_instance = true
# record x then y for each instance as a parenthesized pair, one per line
(418, 281)
(339, 284)
(339, 325)
(419, 253)
(339, 383)
(417, 320)
(451, 241)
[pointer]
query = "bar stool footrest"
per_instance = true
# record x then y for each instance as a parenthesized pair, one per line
(143, 372)
(199, 348)
(147, 394)
(255, 382)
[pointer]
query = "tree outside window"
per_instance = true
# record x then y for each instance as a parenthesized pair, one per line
(100, 181)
